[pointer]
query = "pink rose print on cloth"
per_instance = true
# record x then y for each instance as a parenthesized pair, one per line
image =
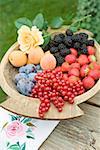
(15, 129)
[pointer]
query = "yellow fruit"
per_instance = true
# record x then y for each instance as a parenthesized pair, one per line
(48, 62)
(18, 58)
(35, 55)
(28, 62)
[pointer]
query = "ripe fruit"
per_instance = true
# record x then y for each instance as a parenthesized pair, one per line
(65, 67)
(74, 51)
(88, 82)
(70, 58)
(94, 65)
(48, 62)
(74, 71)
(83, 59)
(27, 69)
(91, 58)
(18, 58)
(35, 55)
(94, 74)
(65, 76)
(73, 79)
(75, 65)
(91, 50)
(84, 70)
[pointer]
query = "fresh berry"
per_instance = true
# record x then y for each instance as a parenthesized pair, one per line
(74, 71)
(91, 58)
(65, 52)
(76, 45)
(90, 43)
(84, 49)
(94, 74)
(68, 41)
(74, 51)
(58, 38)
(94, 65)
(88, 82)
(84, 70)
(69, 32)
(91, 50)
(53, 50)
(83, 59)
(83, 36)
(72, 79)
(20, 76)
(59, 60)
(75, 65)
(70, 58)
(65, 76)
(61, 46)
(65, 67)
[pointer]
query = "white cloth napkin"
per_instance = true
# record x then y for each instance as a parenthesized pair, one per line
(19, 133)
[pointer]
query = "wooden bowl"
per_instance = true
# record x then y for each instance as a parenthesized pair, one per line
(27, 106)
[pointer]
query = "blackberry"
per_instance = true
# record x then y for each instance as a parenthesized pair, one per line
(76, 45)
(46, 48)
(90, 42)
(61, 46)
(83, 35)
(75, 38)
(53, 49)
(68, 41)
(58, 38)
(85, 51)
(60, 60)
(65, 52)
(69, 32)
(61, 35)
(53, 43)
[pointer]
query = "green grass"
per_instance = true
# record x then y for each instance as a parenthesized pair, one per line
(10, 10)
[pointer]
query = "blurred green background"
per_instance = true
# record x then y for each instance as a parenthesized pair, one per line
(10, 10)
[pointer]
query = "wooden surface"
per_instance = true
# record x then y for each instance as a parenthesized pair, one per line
(81, 133)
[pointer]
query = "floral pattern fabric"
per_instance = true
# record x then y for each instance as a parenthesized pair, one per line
(20, 133)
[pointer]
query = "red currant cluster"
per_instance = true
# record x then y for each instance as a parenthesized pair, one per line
(52, 87)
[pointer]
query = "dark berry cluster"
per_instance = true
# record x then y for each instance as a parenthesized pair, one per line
(52, 87)
(61, 43)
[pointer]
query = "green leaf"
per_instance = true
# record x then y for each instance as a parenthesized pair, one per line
(23, 21)
(47, 38)
(26, 120)
(74, 29)
(8, 144)
(56, 23)
(39, 21)
(23, 146)
(30, 137)
(45, 25)
(14, 147)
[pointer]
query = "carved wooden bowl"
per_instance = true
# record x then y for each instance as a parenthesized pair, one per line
(27, 106)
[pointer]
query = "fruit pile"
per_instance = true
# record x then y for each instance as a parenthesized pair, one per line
(64, 69)
(54, 87)
(24, 80)
(63, 44)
